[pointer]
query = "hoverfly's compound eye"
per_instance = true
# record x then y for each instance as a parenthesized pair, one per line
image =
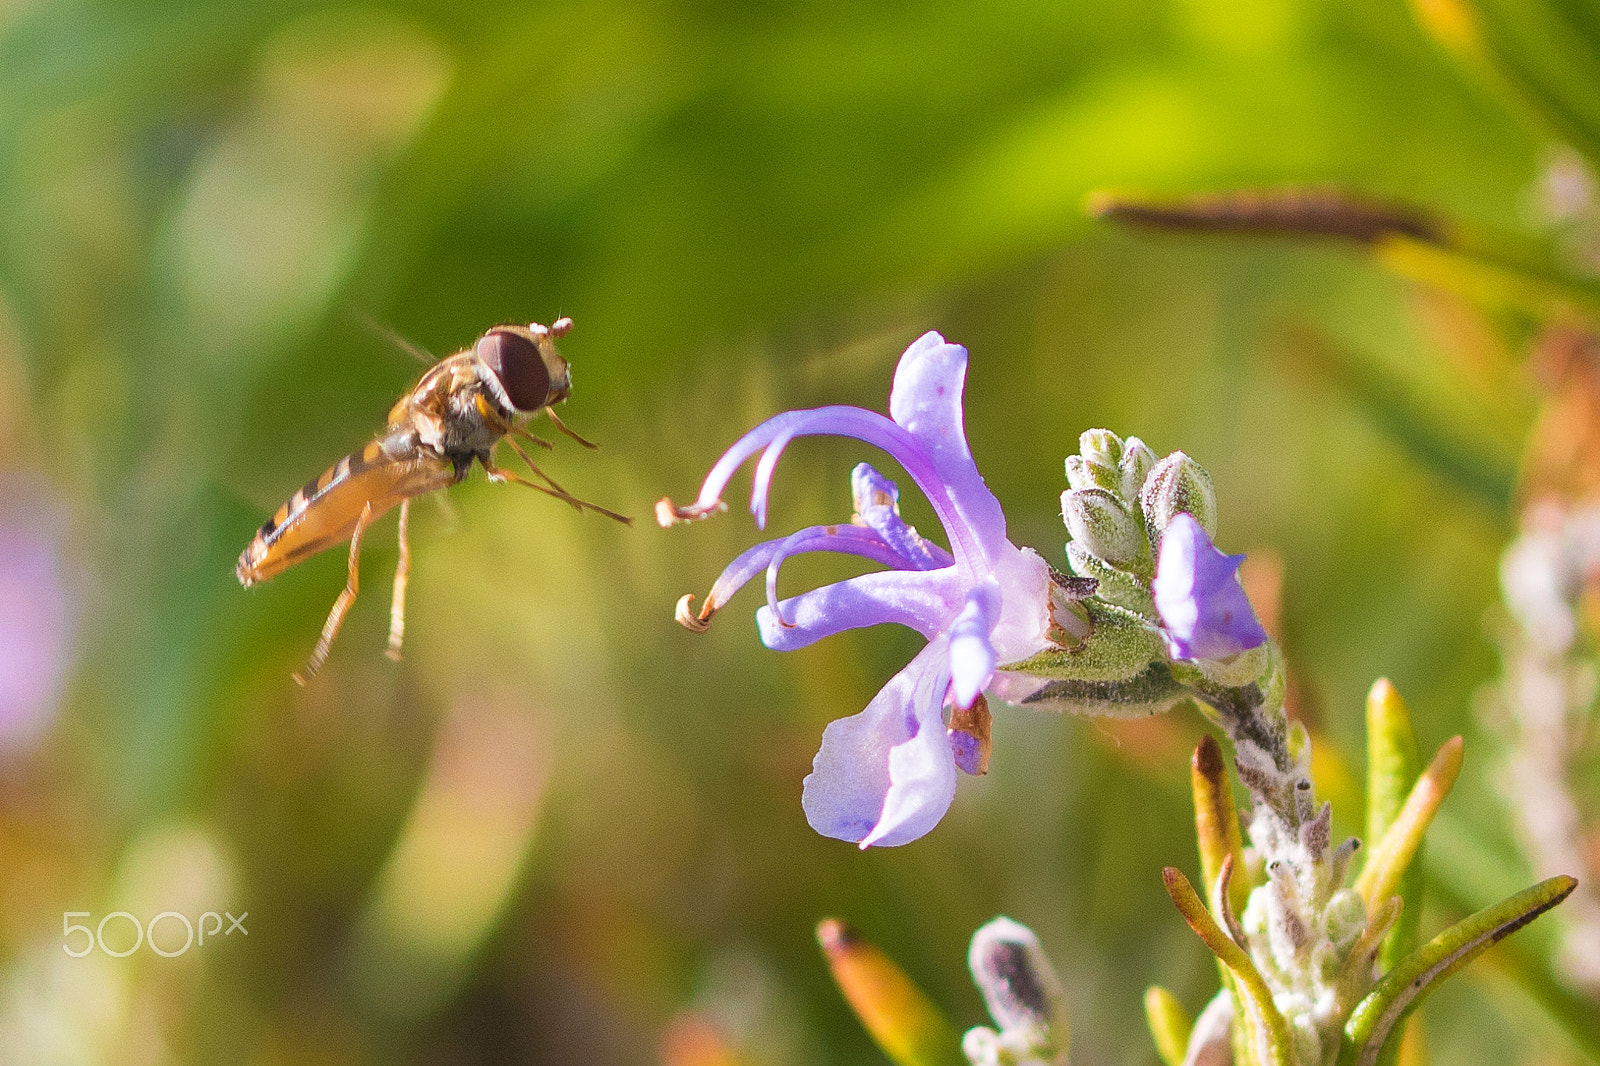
(517, 363)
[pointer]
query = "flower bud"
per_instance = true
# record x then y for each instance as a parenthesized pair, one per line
(1344, 918)
(1125, 589)
(1087, 474)
(1136, 463)
(1178, 485)
(1078, 473)
(1100, 447)
(1023, 995)
(1102, 523)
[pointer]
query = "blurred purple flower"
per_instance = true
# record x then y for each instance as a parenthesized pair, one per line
(34, 622)
(886, 776)
(1204, 611)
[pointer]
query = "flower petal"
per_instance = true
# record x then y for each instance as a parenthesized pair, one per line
(972, 657)
(1204, 611)
(926, 400)
(924, 600)
(886, 776)
(1023, 628)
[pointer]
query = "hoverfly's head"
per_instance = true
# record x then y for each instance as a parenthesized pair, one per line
(523, 366)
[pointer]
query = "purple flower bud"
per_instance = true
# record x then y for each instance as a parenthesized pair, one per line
(1204, 611)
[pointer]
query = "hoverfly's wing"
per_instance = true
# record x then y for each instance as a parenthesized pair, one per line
(385, 332)
(324, 513)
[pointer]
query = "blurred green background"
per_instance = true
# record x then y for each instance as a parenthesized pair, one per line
(564, 829)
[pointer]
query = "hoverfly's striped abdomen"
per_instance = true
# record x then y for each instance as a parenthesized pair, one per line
(325, 511)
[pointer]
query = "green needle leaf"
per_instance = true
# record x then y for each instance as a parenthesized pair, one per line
(1516, 48)
(1392, 757)
(1390, 857)
(1393, 763)
(1170, 1025)
(906, 1024)
(1216, 819)
(1388, 1005)
(1272, 1031)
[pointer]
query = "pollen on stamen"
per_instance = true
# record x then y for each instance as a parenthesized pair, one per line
(694, 623)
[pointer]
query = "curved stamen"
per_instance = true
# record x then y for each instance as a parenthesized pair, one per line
(843, 421)
(846, 540)
(924, 600)
(685, 616)
(761, 482)
(669, 514)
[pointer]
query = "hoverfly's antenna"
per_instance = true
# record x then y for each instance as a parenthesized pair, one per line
(559, 328)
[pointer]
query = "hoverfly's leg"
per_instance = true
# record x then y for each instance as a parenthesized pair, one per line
(341, 606)
(498, 475)
(402, 574)
(562, 426)
(507, 428)
(546, 478)
(525, 435)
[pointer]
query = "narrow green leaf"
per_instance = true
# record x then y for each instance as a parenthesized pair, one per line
(1388, 1005)
(1355, 976)
(1549, 62)
(1393, 763)
(1493, 267)
(1317, 211)
(1521, 965)
(1413, 1051)
(1170, 1025)
(1484, 39)
(903, 1021)
(1492, 277)
(1390, 857)
(1272, 1031)
(1216, 819)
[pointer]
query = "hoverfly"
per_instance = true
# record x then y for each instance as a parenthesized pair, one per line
(464, 405)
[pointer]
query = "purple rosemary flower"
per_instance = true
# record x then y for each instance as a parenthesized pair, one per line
(886, 776)
(1204, 611)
